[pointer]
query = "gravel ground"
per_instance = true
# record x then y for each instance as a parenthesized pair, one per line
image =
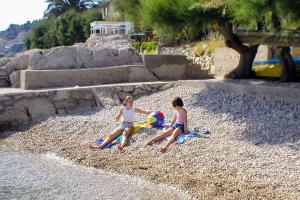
(253, 151)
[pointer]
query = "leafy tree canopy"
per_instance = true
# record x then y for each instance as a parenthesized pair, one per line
(67, 29)
(58, 7)
(128, 9)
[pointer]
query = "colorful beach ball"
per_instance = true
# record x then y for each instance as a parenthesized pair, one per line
(156, 119)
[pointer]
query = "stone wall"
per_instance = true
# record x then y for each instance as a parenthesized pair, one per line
(17, 109)
(174, 67)
(205, 61)
(36, 79)
(221, 62)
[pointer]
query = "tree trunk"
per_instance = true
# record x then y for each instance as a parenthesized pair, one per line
(284, 54)
(247, 54)
(287, 64)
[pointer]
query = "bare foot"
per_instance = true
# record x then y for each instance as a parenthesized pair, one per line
(163, 149)
(95, 146)
(120, 147)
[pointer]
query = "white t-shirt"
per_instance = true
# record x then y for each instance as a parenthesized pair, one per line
(127, 115)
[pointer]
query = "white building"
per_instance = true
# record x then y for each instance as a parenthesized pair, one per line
(111, 28)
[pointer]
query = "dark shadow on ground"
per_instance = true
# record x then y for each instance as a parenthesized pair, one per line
(269, 121)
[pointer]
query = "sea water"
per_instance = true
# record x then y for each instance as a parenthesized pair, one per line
(30, 176)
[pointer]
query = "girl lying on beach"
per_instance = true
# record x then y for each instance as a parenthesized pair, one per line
(126, 128)
(179, 125)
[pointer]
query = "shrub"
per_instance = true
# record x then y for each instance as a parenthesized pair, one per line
(66, 29)
(148, 47)
(136, 45)
(145, 47)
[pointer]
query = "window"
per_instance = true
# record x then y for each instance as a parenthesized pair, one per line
(122, 29)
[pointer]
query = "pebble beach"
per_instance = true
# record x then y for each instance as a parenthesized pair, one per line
(252, 151)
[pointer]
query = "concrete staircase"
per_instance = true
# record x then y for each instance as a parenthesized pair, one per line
(154, 68)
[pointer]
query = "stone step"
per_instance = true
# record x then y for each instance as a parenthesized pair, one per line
(36, 79)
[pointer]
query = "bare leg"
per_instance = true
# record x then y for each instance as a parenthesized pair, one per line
(126, 134)
(160, 136)
(110, 137)
(174, 135)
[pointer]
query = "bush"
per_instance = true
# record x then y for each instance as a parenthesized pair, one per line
(67, 29)
(149, 47)
(136, 45)
(145, 47)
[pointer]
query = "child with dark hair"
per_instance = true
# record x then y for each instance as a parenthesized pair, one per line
(179, 125)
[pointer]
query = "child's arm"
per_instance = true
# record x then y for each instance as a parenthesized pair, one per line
(173, 120)
(118, 115)
(185, 121)
(142, 111)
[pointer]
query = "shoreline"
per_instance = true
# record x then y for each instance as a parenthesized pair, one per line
(244, 157)
(82, 182)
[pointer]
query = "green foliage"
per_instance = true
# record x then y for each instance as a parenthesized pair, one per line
(148, 47)
(58, 7)
(171, 19)
(136, 45)
(248, 13)
(128, 9)
(145, 47)
(67, 29)
(192, 19)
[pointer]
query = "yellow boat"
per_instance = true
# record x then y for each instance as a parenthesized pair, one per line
(271, 68)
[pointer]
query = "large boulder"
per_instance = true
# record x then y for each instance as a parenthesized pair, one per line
(25, 111)
(21, 60)
(114, 57)
(56, 58)
(4, 61)
(110, 42)
(104, 97)
(73, 57)
(98, 51)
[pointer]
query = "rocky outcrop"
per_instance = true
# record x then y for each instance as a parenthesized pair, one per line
(22, 108)
(109, 42)
(93, 55)
(97, 52)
